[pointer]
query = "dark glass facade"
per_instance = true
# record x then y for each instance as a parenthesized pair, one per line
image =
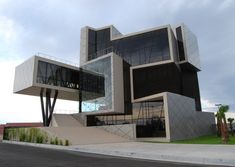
(90, 101)
(149, 47)
(190, 87)
(55, 75)
(52, 74)
(156, 79)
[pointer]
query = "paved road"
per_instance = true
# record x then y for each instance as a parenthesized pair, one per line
(25, 156)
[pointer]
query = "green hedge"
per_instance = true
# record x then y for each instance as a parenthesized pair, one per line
(32, 135)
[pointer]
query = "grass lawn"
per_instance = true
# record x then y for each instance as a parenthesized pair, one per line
(213, 139)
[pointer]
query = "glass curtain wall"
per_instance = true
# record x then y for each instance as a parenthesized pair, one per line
(138, 49)
(55, 75)
(90, 101)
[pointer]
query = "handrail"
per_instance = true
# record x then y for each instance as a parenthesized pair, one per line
(40, 54)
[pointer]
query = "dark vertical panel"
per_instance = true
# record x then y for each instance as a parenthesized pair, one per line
(91, 43)
(190, 87)
(180, 43)
(127, 88)
(156, 79)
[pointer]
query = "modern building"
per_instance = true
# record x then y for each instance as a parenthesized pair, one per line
(145, 81)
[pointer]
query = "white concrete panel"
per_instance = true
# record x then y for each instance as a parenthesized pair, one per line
(114, 32)
(83, 45)
(191, 47)
(118, 89)
(24, 75)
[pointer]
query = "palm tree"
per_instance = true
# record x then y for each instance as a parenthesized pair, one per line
(230, 120)
(222, 122)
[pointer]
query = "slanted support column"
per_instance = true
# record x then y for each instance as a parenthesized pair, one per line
(42, 106)
(47, 110)
(80, 90)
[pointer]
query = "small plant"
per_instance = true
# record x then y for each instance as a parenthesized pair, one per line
(6, 134)
(22, 136)
(52, 141)
(230, 120)
(67, 142)
(61, 142)
(56, 141)
(39, 139)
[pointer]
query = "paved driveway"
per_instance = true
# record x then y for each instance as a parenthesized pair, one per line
(25, 156)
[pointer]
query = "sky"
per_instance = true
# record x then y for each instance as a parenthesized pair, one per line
(53, 27)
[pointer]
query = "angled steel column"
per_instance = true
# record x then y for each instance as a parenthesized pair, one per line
(80, 90)
(42, 106)
(47, 110)
(51, 107)
(48, 101)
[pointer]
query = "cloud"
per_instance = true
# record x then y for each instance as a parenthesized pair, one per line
(53, 27)
(208, 106)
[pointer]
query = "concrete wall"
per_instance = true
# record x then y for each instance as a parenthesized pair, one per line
(24, 75)
(191, 47)
(184, 121)
(118, 89)
(127, 131)
(83, 45)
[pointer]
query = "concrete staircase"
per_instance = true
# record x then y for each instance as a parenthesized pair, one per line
(65, 126)
(65, 120)
(84, 135)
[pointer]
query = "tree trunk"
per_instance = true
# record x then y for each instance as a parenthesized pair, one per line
(218, 127)
(223, 136)
(226, 130)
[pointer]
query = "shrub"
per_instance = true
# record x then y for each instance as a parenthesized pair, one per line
(51, 141)
(61, 142)
(22, 136)
(6, 134)
(56, 141)
(67, 142)
(39, 139)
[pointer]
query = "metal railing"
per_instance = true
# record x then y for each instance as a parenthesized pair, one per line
(40, 54)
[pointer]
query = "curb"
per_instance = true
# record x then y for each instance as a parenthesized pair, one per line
(134, 155)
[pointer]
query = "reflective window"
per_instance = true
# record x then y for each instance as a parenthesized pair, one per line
(139, 49)
(55, 75)
(93, 101)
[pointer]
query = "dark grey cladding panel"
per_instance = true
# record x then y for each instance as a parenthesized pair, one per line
(188, 67)
(156, 79)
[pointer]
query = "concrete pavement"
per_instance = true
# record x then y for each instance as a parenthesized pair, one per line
(12, 155)
(187, 153)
